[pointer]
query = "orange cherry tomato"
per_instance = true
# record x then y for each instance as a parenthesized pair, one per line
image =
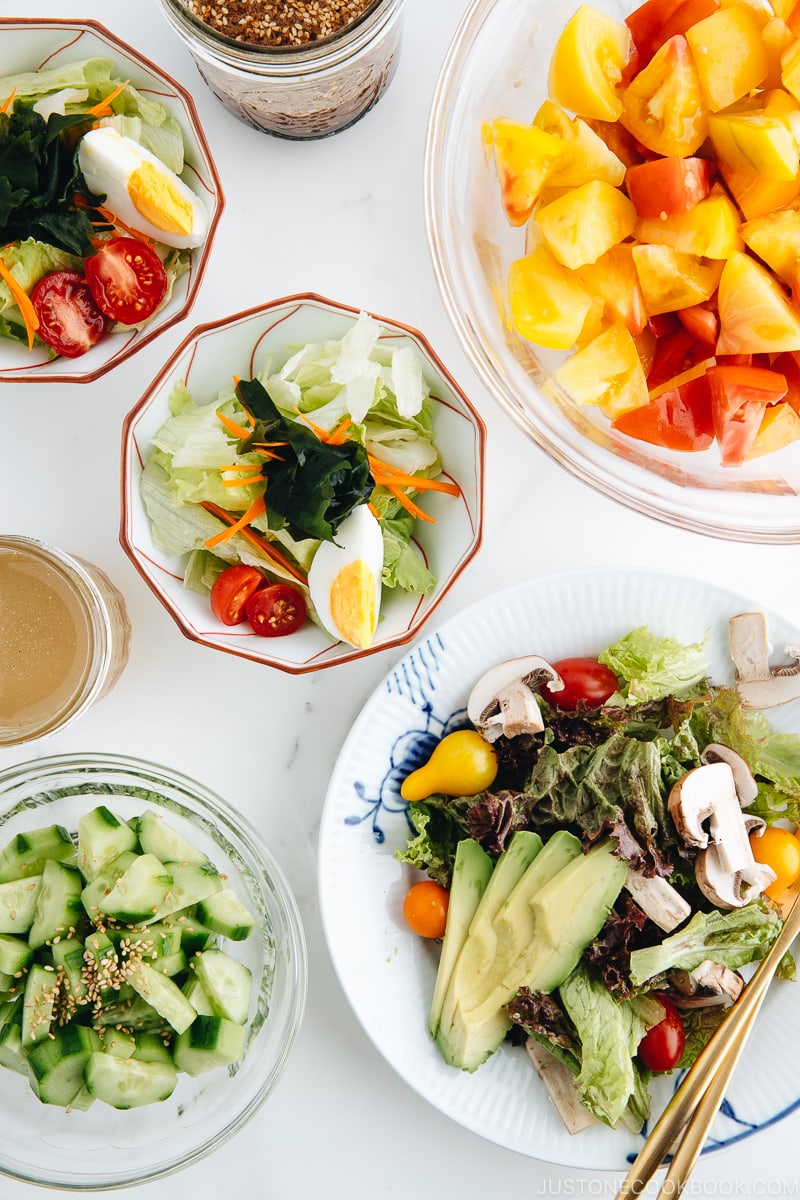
(780, 849)
(425, 908)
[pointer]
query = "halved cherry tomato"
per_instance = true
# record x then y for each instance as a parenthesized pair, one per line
(127, 280)
(668, 185)
(586, 681)
(231, 591)
(780, 849)
(662, 1046)
(276, 610)
(679, 419)
(69, 320)
(739, 396)
(425, 908)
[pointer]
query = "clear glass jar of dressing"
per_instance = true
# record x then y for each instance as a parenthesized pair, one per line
(301, 91)
(64, 638)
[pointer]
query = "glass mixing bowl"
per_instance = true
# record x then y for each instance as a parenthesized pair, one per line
(103, 1147)
(497, 66)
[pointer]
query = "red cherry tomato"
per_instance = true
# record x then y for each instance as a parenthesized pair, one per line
(127, 279)
(585, 681)
(231, 591)
(662, 1046)
(425, 908)
(69, 320)
(276, 610)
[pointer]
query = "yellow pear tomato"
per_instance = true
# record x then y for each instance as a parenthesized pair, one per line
(462, 764)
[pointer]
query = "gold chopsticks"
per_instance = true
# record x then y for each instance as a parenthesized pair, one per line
(694, 1104)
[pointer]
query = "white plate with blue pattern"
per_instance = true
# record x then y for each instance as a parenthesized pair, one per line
(388, 973)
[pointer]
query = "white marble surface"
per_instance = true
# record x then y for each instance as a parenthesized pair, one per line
(342, 217)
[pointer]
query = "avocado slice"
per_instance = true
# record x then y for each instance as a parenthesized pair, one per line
(472, 870)
(477, 952)
(569, 910)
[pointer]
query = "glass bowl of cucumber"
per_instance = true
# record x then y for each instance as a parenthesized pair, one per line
(152, 971)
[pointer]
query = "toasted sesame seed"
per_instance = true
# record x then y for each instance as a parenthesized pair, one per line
(277, 22)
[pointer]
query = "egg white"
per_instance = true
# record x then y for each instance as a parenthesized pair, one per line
(345, 579)
(141, 191)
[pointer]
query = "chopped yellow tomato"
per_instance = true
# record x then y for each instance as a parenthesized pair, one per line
(780, 426)
(524, 156)
(548, 303)
(585, 156)
(585, 222)
(664, 106)
(790, 69)
(755, 141)
(709, 230)
(613, 277)
(756, 195)
(671, 280)
(755, 315)
(587, 64)
(775, 238)
(729, 55)
(776, 36)
(607, 372)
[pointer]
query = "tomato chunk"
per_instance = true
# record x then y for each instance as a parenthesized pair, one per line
(668, 185)
(678, 419)
(739, 397)
(127, 280)
(69, 320)
(231, 591)
(276, 611)
(656, 21)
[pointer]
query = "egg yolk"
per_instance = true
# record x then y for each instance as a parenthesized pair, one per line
(353, 606)
(158, 200)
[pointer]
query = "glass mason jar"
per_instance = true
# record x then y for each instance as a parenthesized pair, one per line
(64, 638)
(299, 92)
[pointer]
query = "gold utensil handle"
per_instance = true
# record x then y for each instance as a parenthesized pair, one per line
(728, 1040)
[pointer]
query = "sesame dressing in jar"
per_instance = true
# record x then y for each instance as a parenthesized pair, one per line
(64, 638)
(293, 69)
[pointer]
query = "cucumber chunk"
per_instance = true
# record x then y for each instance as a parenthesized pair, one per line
(26, 854)
(157, 836)
(18, 904)
(38, 1003)
(163, 995)
(226, 982)
(137, 894)
(58, 909)
(15, 954)
(191, 883)
(209, 1042)
(226, 915)
(98, 888)
(102, 837)
(129, 1082)
(57, 1063)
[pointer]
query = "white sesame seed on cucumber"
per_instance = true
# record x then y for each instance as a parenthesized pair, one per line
(113, 976)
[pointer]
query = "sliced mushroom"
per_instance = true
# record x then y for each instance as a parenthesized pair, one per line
(725, 869)
(503, 701)
(746, 786)
(709, 984)
(560, 1085)
(657, 899)
(760, 685)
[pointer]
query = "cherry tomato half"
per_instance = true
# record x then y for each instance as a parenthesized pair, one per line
(69, 320)
(276, 610)
(780, 849)
(231, 591)
(425, 908)
(662, 1046)
(127, 279)
(585, 681)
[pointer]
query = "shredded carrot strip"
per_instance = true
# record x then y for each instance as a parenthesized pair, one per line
(23, 301)
(241, 467)
(383, 473)
(238, 431)
(373, 510)
(103, 107)
(685, 377)
(255, 510)
(9, 100)
(255, 539)
(321, 433)
(408, 503)
(244, 482)
(338, 434)
(259, 444)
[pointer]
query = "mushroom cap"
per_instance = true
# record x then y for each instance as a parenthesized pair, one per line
(743, 778)
(515, 673)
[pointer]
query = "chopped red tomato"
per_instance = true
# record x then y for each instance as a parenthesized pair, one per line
(666, 186)
(69, 320)
(127, 280)
(702, 322)
(674, 354)
(789, 368)
(656, 21)
(739, 396)
(678, 419)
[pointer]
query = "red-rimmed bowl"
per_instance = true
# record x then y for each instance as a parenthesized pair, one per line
(32, 44)
(239, 345)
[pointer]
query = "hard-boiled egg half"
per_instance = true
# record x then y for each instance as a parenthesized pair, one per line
(345, 579)
(140, 190)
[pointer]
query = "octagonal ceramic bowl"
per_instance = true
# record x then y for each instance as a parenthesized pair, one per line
(31, 44)
(240, 345)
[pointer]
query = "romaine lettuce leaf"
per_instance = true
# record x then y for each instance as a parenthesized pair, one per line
(653, 667)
